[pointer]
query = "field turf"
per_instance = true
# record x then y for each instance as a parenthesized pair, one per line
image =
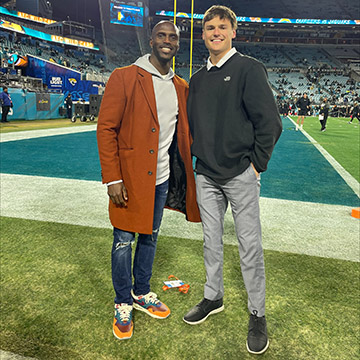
(56, 301)
(56, 294)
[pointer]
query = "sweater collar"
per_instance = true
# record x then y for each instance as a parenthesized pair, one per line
(222, 61)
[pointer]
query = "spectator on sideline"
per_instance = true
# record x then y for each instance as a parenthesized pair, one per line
(235, 124)
(355, 113)
(284, 108)
(144, 147)
(323, 114)
(6, 104)
(69, 105)
(303, 105)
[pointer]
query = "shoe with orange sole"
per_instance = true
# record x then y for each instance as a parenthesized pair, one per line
(150, 305)
(123, 325)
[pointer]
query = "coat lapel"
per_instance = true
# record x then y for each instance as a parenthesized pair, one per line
(147, 86)
(181, 103)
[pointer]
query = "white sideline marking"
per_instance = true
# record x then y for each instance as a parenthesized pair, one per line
(289, 226)
(348, 178)
(30, 134)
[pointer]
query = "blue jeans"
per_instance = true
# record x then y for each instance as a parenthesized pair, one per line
(144, 254)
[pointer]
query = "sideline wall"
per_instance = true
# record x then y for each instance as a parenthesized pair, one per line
(25, 106)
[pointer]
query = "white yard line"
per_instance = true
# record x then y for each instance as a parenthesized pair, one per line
(289, 226)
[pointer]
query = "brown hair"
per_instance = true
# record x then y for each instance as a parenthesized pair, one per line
(222, 12)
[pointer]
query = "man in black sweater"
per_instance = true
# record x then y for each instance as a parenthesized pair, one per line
(235, 124)
(323, 114)
(303, 105)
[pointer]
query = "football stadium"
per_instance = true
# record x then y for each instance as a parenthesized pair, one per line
(59, 62)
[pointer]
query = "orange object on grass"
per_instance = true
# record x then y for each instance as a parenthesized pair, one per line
(183, 288)
(356, 213)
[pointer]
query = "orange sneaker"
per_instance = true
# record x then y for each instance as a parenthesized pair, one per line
(123, 325)
(150, 305)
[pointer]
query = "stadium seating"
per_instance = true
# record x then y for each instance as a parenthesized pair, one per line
(293, 68)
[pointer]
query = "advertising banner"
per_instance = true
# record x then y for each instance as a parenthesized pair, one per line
(54, 76)
(60, 79)
(83, 89)
(42, 102)
(267, 20)
(8, 25)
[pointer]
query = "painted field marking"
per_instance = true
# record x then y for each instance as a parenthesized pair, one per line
(32, 134)
(289, 226)
(348, 178)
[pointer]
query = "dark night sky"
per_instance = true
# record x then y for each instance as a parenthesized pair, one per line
(78, 10)
(83, 10)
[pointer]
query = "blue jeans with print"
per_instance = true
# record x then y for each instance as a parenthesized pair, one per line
(144, 254)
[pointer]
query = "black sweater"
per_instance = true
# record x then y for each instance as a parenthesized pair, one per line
(233, 118)
(303, 103)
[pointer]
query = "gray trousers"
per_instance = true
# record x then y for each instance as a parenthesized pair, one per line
(243, 193)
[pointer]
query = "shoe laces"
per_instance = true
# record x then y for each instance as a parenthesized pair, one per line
(124, 312)
(203, 303)
(151, 297)
(258, 324)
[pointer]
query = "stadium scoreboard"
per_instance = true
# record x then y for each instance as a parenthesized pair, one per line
(127, 13)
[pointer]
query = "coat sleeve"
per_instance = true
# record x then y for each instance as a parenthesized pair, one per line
(109, 123)
(262, 111)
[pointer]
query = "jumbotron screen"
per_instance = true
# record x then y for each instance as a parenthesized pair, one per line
(124, 14)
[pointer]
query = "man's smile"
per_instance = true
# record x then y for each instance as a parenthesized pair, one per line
(166, 49)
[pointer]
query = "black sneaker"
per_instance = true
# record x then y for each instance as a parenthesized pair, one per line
(201, 311)
(257, 340)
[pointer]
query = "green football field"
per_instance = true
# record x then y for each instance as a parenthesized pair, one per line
(341, 140)
(56, 294)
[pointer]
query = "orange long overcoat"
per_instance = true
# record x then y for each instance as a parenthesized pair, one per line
(128, 137)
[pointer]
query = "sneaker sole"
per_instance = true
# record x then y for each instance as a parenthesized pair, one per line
(215, 311)
(258, 352)
(123, 338)
(140, 308)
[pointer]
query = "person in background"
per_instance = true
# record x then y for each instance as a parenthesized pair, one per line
(284, 108)
(323, 114)
(144, 148)
(69, 106)
(355, 113)
(235, 124)
(303, 105)
(6, 104)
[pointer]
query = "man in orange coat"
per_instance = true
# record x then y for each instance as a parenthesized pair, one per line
(144, 147)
